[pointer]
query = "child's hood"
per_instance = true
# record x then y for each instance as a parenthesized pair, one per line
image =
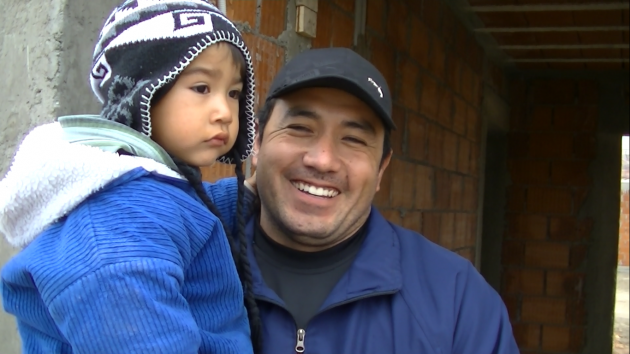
(145, 45)
(59, 165)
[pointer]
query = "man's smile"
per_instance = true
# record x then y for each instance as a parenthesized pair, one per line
(311, 189)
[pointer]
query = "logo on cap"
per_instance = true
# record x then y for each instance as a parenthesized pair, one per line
(380, 92)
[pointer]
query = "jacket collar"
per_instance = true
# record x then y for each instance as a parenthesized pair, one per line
(59, 165)
(376, 269)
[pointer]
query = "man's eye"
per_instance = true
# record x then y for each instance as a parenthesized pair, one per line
(235, 94)
(202, 89)
(299, 128)
(354, 140)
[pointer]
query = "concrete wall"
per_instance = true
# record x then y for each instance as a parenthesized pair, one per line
(560, 251)
(30, 44)
(82, 22)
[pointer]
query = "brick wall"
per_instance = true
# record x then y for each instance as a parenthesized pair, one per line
(624, 230)
(435, 70)
(551, 144)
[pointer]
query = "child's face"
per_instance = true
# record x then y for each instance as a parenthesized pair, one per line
(197, 119)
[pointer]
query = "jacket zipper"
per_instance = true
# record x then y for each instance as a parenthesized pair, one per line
(301, 333)
(299, 347)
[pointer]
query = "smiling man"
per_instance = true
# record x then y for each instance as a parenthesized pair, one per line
(331, 275)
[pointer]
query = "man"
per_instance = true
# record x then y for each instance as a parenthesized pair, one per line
(330, 274)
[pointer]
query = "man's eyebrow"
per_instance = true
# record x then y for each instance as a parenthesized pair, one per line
(300, 112)
(212, 73)
(361, 125)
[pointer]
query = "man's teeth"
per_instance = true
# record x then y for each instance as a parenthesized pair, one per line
(318, 191)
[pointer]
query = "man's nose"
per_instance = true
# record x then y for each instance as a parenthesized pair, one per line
(323, 155)
(221, 112)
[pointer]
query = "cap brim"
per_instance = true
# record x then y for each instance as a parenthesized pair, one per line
(343, 84)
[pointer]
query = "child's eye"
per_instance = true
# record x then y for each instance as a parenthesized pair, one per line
(235, 94)
(202, 89)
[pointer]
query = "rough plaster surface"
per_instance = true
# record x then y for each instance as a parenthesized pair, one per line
(294, 43)
(45, 57)
(30, 41)
(82, 22)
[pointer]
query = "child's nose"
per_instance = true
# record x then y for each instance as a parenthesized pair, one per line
(221, 112)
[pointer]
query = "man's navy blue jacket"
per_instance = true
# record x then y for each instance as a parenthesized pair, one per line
(402, 295)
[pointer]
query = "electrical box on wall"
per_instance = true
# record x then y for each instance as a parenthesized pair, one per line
(311, 4)
(306, 19)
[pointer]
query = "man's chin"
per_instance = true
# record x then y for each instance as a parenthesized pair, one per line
(311, 217)
(312, 227)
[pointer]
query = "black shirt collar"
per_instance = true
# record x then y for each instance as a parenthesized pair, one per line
(288, 257)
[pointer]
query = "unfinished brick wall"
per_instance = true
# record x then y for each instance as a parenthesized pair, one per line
(435, 70)
(335, 24)
(551, 144)
(624, 230)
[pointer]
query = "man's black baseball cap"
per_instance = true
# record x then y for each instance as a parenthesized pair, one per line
(339, 68)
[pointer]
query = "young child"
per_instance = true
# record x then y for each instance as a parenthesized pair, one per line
(124, 250)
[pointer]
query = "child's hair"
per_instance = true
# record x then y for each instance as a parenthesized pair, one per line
(238, 244)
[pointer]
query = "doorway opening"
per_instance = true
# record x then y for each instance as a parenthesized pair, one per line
(622, 297)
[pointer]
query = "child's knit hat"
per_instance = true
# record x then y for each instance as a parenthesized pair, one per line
(145, 44)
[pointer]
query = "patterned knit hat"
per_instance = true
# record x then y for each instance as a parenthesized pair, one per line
(143, 47)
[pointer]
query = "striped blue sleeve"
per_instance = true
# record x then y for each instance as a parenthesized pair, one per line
(128, 307)
(112, 275)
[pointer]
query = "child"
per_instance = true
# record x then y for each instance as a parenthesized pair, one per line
(124, 249)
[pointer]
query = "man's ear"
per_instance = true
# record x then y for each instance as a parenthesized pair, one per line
(381, 170)
(256, 147)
